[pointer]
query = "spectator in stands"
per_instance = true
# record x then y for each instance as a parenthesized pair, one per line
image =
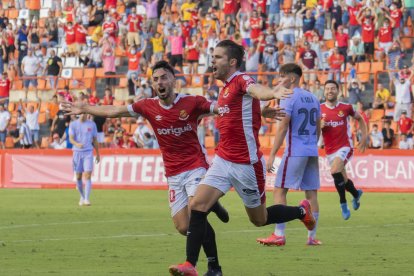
(108, 98)
(33, 35)
(367, 18)
(52, 109)
(5, 86)
(382, 98)
(53, 69)
(134, 26)
(108, 60)
(152, 14)
(287, 26)
(4, 123)
(388, 134)
(95, 56)
(25, 136)
(405, 73)
(20, 4)
(318, 90)
(376, 138)
(192, 51)
(404, 144)
(57, 143)
(355, 89)
(287, 53)
(308, 60)
(385, 34)
(32, 119)
(34, 9)
(341, 38)
(110, 27)
(134, 57)
(356, 51)
(271, 62)
(53, 36)
(244, 28)
(70, 39)
(353, 12)
(394, 59)
(405, 124)
(177, 50)
(93, 98)
(60, 122)
(97, 15)
(29, 68)
(100, 124)
(336, 60)
(402, 97)
(80, 36)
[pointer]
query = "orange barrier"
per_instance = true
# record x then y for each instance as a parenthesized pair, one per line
(381, 171)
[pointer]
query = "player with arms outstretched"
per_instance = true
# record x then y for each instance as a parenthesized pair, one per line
(299, 168)
(337, 137)
(238, 163)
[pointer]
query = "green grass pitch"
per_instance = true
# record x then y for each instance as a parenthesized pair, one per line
(44, 232)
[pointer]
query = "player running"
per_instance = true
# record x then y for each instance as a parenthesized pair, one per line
(174, 118)
(238, 162)
(82, 134)
(337, 137)
(299, 168)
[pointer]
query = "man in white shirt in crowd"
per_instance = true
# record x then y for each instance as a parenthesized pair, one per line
(404, 144)
(4, 123)
(376, 138)
(32, 119)
(30, 66)
(57, 143)
(402, 96)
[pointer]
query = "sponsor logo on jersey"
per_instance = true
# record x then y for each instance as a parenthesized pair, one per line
(177, 131)
(334, 123)
(226, 92)
(223, 109)
(341, 113)
(183, 115)
(158, 117)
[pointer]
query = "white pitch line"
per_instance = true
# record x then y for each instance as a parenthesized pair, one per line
(122, 236)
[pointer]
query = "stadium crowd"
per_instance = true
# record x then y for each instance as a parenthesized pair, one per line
(345, 40)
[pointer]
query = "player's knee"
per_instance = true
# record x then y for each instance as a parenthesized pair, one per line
(258, 222)
(182, 229)
(199, 205)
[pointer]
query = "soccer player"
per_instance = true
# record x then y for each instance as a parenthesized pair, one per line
(299, 168)
(174, 118)
(82, 134)
(238, 162)
(337, 137)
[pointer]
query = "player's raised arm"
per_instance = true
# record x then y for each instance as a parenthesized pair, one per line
(107, 111)
(265, 93)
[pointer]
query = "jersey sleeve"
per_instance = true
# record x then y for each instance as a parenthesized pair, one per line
(204, 106)
(351, 111)
(71, 130)
(243, 83)
(137, 109)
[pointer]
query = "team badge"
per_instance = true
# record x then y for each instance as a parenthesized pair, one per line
(183, 115)
(341, 114)
(226, 92)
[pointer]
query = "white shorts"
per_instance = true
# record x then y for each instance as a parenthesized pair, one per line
(247, 179)
(100, 137)
(344, 153)
(298, 172)
(182, 186)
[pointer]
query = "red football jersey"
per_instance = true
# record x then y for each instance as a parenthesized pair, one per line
(238, 121)
(385, 34)
(368, 31)
(405, 124)
(5, 86)
(337, 131)
(70, 35)
(230, 7)
(175, 127)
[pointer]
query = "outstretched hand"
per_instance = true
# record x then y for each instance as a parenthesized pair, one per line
(280, 92)
(269, 164)
(275, 112)
(72, 108)
(362, 145)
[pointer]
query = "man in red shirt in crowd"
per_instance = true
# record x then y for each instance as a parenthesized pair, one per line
(367, 18)
(341, 40)
(256, 25)
(385, 34)
(70, 39)
(397, 15)
(134, 22)
(353, 11)
(335, 61)
(5, 86)
(110, 27)
(80, 36)
(230, 9)
(405, 124)
(133, 65)
(93, 98)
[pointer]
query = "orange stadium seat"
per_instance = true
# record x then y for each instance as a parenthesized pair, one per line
(377, 114)
(127, 127)
(377, 66)
(41, 84)
(118, 103)
(364, 67)
(108, 139)
(13, 13)
(18, 85)
(364, 77)
(11, 107)
(100, 72)
(330, 44)
(43, 106)
(77, 73)
(89, 72)
(123, 82)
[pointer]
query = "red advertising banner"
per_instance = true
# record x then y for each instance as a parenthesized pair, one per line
(143, 169)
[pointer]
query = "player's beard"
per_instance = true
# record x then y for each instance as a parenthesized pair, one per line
(163, 93)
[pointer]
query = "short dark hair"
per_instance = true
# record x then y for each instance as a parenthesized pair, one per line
(374, 125)
(162, 64)
(291, 68)
(233, 50)
(332, 81)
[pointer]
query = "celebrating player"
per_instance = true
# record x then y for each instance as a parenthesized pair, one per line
(299, 168)
(337, 137)
(174, 118)
(82, 134)
(238, 162)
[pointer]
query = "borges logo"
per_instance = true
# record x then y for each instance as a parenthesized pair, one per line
(183, 115)
(334, 123)
(177, 131)
(226, 92)
(223, 109)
